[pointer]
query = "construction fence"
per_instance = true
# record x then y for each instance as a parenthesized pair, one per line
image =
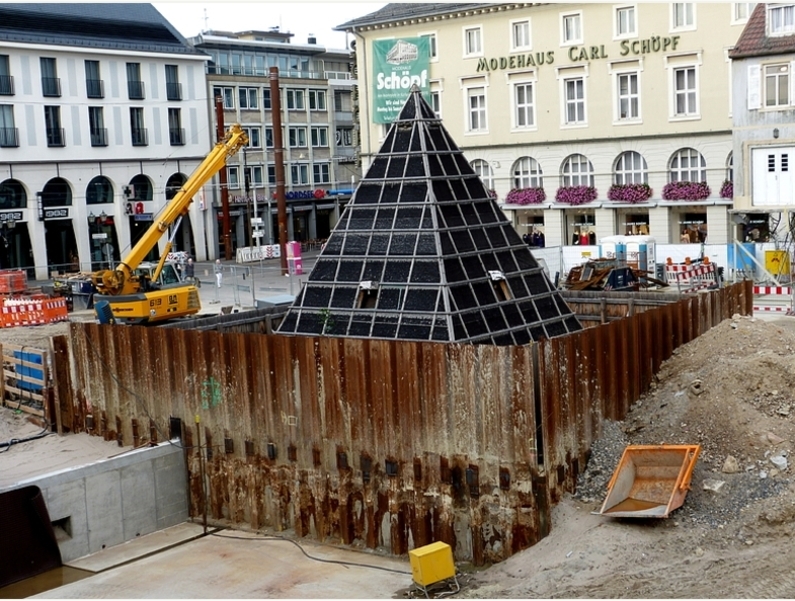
(387, 444)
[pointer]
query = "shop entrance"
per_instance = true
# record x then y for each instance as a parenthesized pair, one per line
(59, 236)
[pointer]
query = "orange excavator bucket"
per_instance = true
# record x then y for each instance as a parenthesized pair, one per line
(650, 481)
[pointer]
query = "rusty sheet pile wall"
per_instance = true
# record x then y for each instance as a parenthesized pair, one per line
(388, 444)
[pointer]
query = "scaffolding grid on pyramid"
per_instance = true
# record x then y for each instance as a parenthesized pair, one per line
(423, 252)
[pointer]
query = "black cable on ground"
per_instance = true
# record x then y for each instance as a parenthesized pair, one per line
(288, 540)
(5, 446)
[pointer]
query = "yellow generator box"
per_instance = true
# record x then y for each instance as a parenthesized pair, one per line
(432, 563)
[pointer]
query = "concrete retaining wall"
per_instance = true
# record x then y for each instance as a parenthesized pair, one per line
(115, 500)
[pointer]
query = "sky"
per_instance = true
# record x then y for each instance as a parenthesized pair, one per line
(298, 17)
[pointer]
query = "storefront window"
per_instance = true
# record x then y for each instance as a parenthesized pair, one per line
(580, 227)
(633, 224)
(692, 228)
(534, 235)
(757, 228)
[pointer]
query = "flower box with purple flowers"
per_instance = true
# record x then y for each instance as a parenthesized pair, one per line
(632, 193)
(727, 189)
(575, 195)
(526, 196)
(686, 191)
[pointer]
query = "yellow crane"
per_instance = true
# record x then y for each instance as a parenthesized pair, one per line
(134, 295)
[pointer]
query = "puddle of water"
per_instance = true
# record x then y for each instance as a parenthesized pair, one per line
(43, 582)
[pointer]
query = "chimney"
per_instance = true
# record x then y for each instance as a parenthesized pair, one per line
(312, 39)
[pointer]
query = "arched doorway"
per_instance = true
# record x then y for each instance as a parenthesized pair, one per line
(141, 221)
(184, 238)
(105, 252)
(15, 246)
(59, 233)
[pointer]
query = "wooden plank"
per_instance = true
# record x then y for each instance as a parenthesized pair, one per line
(24, 378)
(26, 409)
(21, 362)
(25, 394)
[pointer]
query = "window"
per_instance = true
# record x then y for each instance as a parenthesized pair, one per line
(6, 80)
(233, 177)
(687, 165)
(730, 167)
(319, 137)
(96, 126)
(520, 35)
(527, 174)
(94, 88)
(299, 174)
(135, 87)
(228, 94)
(321, 173)
(176, 133)
(571, 32)
(8, 132)
(137, 129)
(631, 169)
(577, 171)
(295, 100)
(268, 137)
(99, 191)
(472, 44)
(247, 98)
(52, 122)
(431, 43)
(266, 98)
(524, 107)
(436, 103)
(476, 102)
(625, 22)
(342, 101)
(344, 136)
(272, 175)
(50, 83)
(173, 87)
(253, 134)
(628, 96)
(484, 172)
(253, 176)
(780, 19)
(317, 100)
(683, 15)
(575, 100)
(685, 97)
(297, 137)
(777, 85)
(741, 11)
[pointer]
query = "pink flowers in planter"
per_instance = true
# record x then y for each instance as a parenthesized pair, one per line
(526, 196)
(727, 189)
(632, 193)
(575, 195)
(686, 191)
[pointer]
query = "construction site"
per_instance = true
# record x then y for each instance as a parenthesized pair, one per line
(427, 384)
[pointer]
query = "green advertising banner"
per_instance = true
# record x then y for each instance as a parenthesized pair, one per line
(397, 65)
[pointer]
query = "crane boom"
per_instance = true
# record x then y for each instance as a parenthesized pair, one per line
(121, 280)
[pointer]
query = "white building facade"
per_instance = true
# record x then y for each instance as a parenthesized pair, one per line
(97, 132)
(587, 120)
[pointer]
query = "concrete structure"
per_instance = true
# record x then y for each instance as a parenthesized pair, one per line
(585, 102)
(319, 130)
(115, 500)
(764, 129)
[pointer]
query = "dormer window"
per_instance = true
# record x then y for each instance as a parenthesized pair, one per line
(781, 19)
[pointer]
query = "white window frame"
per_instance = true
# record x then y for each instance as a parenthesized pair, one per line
(691, 112)
(319, 136)
(574, 101)
(296, 137)
(294, 99)
(624, 174)
(254, 176)
(528, 42)
(252, 143)
(299, 174)
(228, 94)
(574, 169)
(317, 97)
(788, 87)
(526, 107)
(785, 13)
(575, 37)
(617, 76)
(433, 41)
(690, 154)
(233, 177)
(321, 175)
(468, 95)
(683, 6)
(344, 136)
(738, 8)
(484, 171)
(630, 33)
(527, 173)
(473, 52)
(248, 93)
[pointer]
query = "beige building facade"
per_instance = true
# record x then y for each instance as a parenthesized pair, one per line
(587, 120)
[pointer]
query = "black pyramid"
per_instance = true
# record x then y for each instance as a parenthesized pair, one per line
(422, 252)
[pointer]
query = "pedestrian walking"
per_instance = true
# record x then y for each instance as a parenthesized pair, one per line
(190, 270)
(219, 273)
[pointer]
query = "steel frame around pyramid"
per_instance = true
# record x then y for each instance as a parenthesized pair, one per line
(423, 252)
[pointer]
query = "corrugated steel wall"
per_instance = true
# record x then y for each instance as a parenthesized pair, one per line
(393, 444)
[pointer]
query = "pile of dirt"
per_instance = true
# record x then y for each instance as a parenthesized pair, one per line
(732, 391)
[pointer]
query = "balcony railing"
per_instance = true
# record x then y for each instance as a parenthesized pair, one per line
(56, 137)
(135, 90)
(177, 136)
(99, 137)
(6, 85)
(140, 137)
(173, 91)
(9, 137)
(95, 88)
(51, 86)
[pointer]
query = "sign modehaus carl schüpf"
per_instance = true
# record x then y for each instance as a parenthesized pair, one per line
(397, 65)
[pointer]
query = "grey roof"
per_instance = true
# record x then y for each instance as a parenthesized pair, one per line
(118, 26)
(403, 10)
(423, 252)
